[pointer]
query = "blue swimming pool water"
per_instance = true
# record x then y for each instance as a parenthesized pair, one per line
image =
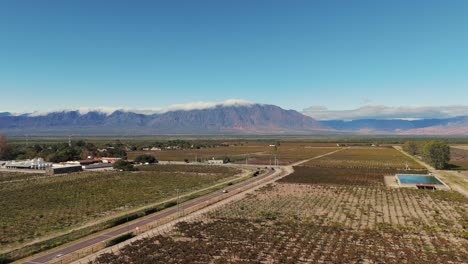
(418, 179)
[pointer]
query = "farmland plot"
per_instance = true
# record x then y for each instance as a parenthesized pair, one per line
(334, 210)
(257, 153)
(41, 206)
(459, 158)
(203, 154)
(385, 158)
(12, 176)
(287, 154)
(291, 223)
(341, 176)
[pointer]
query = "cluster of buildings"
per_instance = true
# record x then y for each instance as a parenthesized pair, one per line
(38, 164)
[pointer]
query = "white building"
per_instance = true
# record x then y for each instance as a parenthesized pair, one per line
(36, 163)
(215, 162)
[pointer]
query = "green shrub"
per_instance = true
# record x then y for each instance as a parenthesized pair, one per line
(119, 239)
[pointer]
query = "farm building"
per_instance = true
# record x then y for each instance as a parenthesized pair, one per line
(97, 166)
(84, 162)
(214, 162)
(36, 163)
(63, 169)
(109, 160)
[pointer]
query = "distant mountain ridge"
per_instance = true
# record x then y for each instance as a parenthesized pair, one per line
(237, 119)
(234, 119)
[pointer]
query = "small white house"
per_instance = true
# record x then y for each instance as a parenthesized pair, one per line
(215, 162)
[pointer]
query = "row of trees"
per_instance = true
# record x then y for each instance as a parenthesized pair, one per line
(57, 152)
(3, 147)
(436, 153)
(128, 166)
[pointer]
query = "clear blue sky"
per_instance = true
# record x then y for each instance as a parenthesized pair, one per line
(296, 54)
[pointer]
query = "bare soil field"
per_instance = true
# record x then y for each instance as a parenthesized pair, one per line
(465, 146)
(459, 158)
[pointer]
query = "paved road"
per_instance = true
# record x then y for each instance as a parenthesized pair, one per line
(130, 227)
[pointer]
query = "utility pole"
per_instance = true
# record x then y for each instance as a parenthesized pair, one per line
(69, 141)
(128, 225)
(178, 203)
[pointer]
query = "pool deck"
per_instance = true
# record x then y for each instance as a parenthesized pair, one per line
(391, 181)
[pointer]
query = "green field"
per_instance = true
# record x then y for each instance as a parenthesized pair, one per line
(35, 207)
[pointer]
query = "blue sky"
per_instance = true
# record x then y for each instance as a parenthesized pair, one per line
(295, 54)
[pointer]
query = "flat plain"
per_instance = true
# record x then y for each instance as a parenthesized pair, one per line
(459, 158)
(323, 213)
(256, 152)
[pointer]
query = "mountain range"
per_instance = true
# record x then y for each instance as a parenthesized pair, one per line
(248, 119)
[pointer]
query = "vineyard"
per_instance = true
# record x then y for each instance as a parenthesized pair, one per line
(188, 169)
(290, 223)
(341, 176)
(320, 214)
(203, 154)
(287, 154)
(35, 207)
(12, 176)
(257, 153)
(385, 158)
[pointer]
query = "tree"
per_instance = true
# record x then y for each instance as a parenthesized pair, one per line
(411, 147)
(436, 153)
(123, 165)
(3, 146)
(145, 159)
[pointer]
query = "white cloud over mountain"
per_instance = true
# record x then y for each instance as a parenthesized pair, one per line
(387, 112)
(151, 110)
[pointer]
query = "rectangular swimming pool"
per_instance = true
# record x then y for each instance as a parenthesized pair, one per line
(418, 179)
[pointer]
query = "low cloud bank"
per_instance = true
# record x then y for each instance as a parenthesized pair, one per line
(386, 112)
(152, 110)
